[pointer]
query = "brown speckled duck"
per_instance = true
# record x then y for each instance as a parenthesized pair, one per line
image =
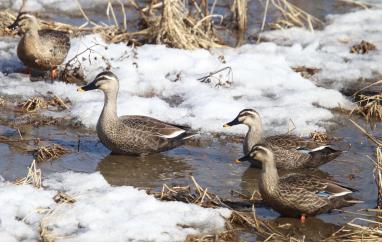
(296, 195)
(42, 50)
(132, 135)
(291, 152)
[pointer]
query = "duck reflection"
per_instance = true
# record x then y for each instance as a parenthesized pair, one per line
(149, 171)
(312, 230)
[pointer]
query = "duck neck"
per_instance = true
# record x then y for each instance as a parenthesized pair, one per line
(109, 111)
(32, 31)
(269, 175)
(253, 137)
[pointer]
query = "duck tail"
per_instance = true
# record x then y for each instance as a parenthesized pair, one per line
(324, 154)
(188, 135)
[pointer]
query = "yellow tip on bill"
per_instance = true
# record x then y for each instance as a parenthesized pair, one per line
(237, 161)
(226, 126)
(80, 90)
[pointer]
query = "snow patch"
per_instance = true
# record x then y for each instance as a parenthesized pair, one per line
(101, 212)
(262, 79)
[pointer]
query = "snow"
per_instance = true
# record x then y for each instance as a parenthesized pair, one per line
(58, 5)
(101, 212)
(329, 49)
(262, 79)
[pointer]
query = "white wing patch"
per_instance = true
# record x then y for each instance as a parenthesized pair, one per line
(307, 151)
(340, 194)
(174, 134)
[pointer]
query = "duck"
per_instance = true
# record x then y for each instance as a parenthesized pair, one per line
(297, 195)
(132, 134)
(291, 152)
(42, 50)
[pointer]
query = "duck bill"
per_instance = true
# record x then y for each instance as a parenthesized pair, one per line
(232, 123)
(14, 26)
(243, 159)
(90, 86)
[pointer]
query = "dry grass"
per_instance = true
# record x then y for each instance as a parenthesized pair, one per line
(33, 104)
(39, 102)
(306, 72)
(320, 137)
(220, 78)
(368, 231)
(370, 107)
(291, 15)
(239, 221)
(195, 195)
(33, 176)
(357, 3)
(177, 29)
(50, 152)
(362, 48)
(378, 176)
(239, 10)
(260, 227)
(62, 197)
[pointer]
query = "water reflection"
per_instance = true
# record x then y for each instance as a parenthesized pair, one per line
(313, 229)
(149, 171)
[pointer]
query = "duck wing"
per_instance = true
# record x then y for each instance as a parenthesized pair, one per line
(288, 141)
(300, 152)
(293, 201)
(321, 187)
(155, 127)
(289, 158)
(58, 39)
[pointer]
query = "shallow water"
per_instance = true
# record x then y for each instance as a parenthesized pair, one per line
(209, 159)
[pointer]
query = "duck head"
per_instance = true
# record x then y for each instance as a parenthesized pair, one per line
(258, 153)
(249, 117)
(105, 81)
(24, 22)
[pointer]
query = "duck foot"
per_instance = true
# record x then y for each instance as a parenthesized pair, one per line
(54, 74)
(302, 218)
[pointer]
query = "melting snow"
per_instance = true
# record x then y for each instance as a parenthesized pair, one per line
(101, 212)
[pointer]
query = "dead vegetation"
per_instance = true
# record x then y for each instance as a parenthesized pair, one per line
(62, 197)
(50, 152)
(291, 16)
(369, 106)
(377, 163)
(362, 48)
(220, 78)
(50, 101)
(239, 220)
(306, 72)
(33, 176)
(175, 23)
(358, 230)
(320, 137)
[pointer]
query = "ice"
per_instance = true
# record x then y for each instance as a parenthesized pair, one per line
(101, 212)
